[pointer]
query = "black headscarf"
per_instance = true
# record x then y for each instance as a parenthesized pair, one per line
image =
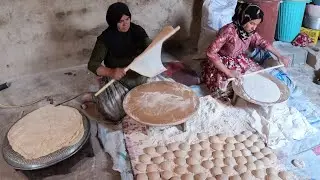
(244, 13)
(115, 12)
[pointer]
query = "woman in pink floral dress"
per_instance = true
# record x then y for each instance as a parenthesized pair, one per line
(227, 53)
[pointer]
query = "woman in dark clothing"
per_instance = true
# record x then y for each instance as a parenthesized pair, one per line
(117, 47)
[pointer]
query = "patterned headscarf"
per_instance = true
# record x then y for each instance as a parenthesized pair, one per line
(244, 13)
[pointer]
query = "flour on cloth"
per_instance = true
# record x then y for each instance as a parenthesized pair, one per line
(46, 130)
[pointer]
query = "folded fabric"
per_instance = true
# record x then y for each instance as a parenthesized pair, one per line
(302, 40)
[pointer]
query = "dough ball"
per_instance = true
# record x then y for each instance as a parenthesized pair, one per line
(153, 176)
(193, 161)
(205, 144)
(218, 162)
(284, 175)
(259, 173)
(247, 133)
(251, 166)
(239, 146)
(247, 175)
(228, 170)
(158, 160)
(211, 178)
(222, 137)
(180, 153)
(142, 177)
(253, 138)
(196, 147)
(173, 146)
(230, 161)
(152, 167)
(145, 158)
(150, 150)
(266, 151)
(197, 168)
(240, 137)
(214, 139)
(254, 149)
(217, 146)
(208, 164)
(167, 165)
(161, 149)
(175, 178)
(272, 157)
(216, 171)
(235, 177)
(141, 167)
(205, 153)
(231, 140)
(169, 156)
(236, 153)
(297, 163)
(180, 170)
(229, 146)
(184, 146)
(246, 152)
(195, 154)
(248, 143)
(266, 161)
(187, 177)
(217, 154)
(241, 160)
(258, 155)
(251, 159)
(202, 136)
(222, 177)
(259, 164)
(180, 161)
(271, 171)
(200, 176)
(227, 153)
(241, 168)
(272, 177)
(166, 174)
(259, 144)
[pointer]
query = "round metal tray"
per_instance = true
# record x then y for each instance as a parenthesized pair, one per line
(19, 162)
(285, 93)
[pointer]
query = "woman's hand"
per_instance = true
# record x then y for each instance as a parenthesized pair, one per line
(117, 73)
(234, 74)
(285, 60)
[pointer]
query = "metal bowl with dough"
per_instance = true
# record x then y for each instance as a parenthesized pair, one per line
(19, 162)
(285, 93)
(161, 103)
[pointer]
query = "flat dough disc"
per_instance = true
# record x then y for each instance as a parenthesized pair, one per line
(46, 130)
(261, 89)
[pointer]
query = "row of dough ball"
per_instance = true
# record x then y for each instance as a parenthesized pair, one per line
(268, 174)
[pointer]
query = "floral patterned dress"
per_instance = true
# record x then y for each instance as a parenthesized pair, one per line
(231, 51)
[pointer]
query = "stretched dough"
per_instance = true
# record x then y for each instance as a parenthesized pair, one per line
(261, 89)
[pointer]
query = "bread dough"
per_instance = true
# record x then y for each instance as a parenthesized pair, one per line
(272, 177)
(271, 171)
(195, 154)
(222, 137)
(272, 157)
(150, 150)
(228, 170)
(214, 139)
(180, 153)
(180, 161)
(166, 174)
(218, 162)
(211, 178)
(215, 171)
(247, 175)
(247, 133)
(153, 176)
(253, 138)
(158, 160)
(284, 175)
(217, 154)
(266, 151)
(180, 170)
(241, 160)
(187, 177)
(229, 146)
(173, 146)
(205, 153)
(239, 146)
(236, 153)
(248, 143)
(261, 89)
(142, 177)
(202, 136)
(152, 167)
(259, 164)
(200, 176)
(141, 167)
(259, 173)
(240, 137)
(161, 149)
(145, 158)
(193, 161)
(197, 168)
(235, 177)
(222, 177)
(258, 155)
(45, 131)
(251, 159)
(184, 146)
(254, 149)
(230, 161)
(208, 164)
(259, 144)
(246, 152)
(175, 178)
(241, 168)
(169, 155)
(205, 144)
(266, 161)
(227, 153)
(251, 166)
(231, 140)
(196, 147)
(167, 165)
(217, 146)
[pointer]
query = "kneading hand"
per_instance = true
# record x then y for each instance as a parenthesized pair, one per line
(117, 73)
